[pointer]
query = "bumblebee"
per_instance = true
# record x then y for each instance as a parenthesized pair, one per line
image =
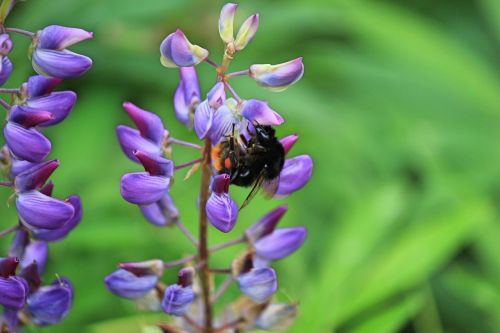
(257, 161)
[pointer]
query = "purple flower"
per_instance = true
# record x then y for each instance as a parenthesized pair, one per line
(226, 22)
(50, 57)
(278, 77)
(36, 251)
(26, 143)
(36, 176)
(5, 44)
(280, 243)
(258, 111)
(5, 69)
(41, 211)
(259, 284)
(13, 292)
(59, 103)
(144, 188)
(149, 136)
(187, 95)
(288, 142)
(247, 32)
(204, 114)
(51, 304)
(177, 51)
(126, 284)
(19, 242)
(266, 224)
(178, 297)
(60, 233)
(295, 174)
(225, 118)
(161, 213)
(39, 85)
(10, 319)
(221, 210)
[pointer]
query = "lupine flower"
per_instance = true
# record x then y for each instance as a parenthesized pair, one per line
(178, 297)
(278, 77)
(26, 143)
(277, 317)
(259, 283)
(36, 251)
(280, 243)
(266, 224)
(18, 244)
(144, 188)
(13, 292)
(288, 142)
(50, 57)
(204, 114)
(177, 51)
(126, 284)
(187, 95)
(222, 211)
(260, 112)
(295, 174)
(5, 63)
(149, 136)
(51, 304)
(247, 32)
(162, 212)
(226, 22)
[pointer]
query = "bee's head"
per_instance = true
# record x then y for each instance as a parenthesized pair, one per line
(264, 133)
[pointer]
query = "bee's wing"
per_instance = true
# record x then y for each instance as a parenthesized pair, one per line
(255, 189)
(271, 186)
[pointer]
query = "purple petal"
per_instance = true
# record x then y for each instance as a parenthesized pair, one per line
(19, 166)
(59, 104)
(155, 165)
(26, 144)
(5, 69)
(295, 174)
(258, 111)
(247, 32)
(142, 189)
(40, 211)
(177, 51)
(259, 284)
(61, 64)
(36, 251)
(51, 304)
(57, 37)
(266, 224)
(223, 122)
(281, 243)
(131, 140)
(47, 188)
(60, 233)
(36, 176)
(149, 124)
(222, 211)
(31, 275)
(278, 77)
(19, 242)
(288, 142)
(13, 292)
(216, 96)
(29, 117)
(11, 319)
(220, 183)
(39, 85)
(177, 299)
(203, 118)
(161, 213)
(128, 285)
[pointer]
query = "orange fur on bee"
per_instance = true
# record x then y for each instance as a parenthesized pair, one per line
(216, 158)
(227, 163)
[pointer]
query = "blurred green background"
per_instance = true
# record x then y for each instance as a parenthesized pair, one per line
(399, 107)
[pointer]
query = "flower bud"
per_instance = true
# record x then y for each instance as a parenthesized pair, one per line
(187, 95)
(247, 32)
(36, 176)
(29, 117)
(60, 233)
(126, 284)
(266, 224)
(226, 22)
(141, 188)
(177, 299)
(277, 77)
(260, 112)
(149, 124)
(281, 243)
(221, 210)
(36, 251)
(259, 284)
(13, 292)
(177, 51)
(277, 317)
(60, 104)
(288, 142)
(51, 304)
(41, 211)
(56, 37)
